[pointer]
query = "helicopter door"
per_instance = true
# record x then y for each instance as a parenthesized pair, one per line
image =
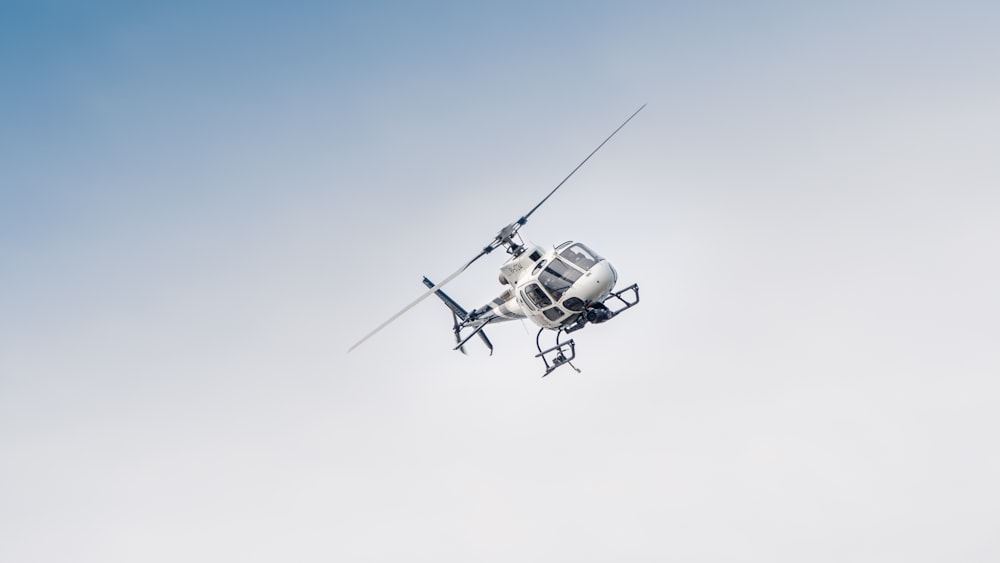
(537, 298)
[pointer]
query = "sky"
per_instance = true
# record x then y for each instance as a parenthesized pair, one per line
(204, 204)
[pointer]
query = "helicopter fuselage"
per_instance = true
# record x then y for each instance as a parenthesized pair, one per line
(551, 287)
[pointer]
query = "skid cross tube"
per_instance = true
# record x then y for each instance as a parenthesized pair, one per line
(565, 353)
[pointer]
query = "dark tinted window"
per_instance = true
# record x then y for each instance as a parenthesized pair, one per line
(574, 304)
(553, 313)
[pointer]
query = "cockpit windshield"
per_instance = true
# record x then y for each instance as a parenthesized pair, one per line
(557, 277)
(580, 255)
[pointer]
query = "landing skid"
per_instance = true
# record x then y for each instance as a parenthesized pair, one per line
(563, 353)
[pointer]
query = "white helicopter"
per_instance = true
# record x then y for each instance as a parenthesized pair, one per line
(562, 289)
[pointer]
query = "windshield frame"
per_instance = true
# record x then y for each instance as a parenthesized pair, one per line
(558, 276)
(581, 256)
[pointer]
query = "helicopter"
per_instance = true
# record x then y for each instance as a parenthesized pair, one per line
(560, 288)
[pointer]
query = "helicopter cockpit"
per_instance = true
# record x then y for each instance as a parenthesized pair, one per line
(557, 276)
(579, 254)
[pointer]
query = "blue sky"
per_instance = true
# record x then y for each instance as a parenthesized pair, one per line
(203, 205)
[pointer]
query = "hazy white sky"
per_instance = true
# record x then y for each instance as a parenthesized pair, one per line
(202, 206)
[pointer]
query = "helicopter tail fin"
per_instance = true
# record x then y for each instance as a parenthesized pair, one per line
(457, 309)
(462, 320)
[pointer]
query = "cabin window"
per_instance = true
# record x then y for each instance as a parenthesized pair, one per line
(538, 266)
(553, 313)
(537, 297)
(558, 277)
(581, 256)
(574, 304)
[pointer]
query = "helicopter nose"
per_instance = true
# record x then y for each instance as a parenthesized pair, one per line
(601, 278)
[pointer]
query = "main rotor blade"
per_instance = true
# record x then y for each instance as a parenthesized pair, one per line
(524, 219)
(504, 237)
(430, 291)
